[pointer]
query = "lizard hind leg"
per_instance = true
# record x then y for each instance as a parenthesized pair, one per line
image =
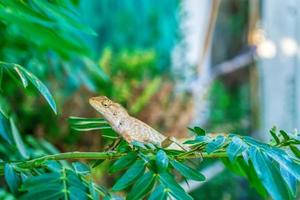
(172, 143)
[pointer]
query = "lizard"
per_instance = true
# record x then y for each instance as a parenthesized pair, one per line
(130, 128)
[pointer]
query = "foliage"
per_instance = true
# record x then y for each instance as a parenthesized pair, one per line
(269, 167)
(41, 33)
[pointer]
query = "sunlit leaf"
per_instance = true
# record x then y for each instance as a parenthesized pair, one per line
(269, 175)
(235, 148)
(215, 144)
(162, 160)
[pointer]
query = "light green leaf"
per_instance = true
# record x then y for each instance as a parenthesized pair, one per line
(162, 160)
(290, 180)
(284, 161)
(134, 171)
(215, 144)
(88, 124)
(187, 172)
(81, 168)
(269, 175)
(235, 148)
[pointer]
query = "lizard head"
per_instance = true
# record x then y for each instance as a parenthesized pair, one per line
(111, 111)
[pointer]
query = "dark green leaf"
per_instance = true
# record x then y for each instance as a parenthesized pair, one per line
(295, 151)
(123, 162)
(274, 135)
(142, 186)
(199, 131)
(162, 160)
(96, 163)
(18, 140)
(4, 130)
(134, 171)
(77, 194)
(284, 135)
(187, 172)
(170, 185)
(12, 179)
(41, 88)
(4, 107)
(159, 193)
(35, 181)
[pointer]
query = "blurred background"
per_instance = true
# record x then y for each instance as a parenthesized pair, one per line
(227, 66)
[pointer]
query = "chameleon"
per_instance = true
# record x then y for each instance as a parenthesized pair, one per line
(130, 128)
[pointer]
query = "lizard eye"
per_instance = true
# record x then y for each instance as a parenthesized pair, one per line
(105, 104)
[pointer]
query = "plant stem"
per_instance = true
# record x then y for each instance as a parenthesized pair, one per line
(93, 156)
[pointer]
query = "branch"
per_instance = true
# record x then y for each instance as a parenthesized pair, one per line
(110, 155)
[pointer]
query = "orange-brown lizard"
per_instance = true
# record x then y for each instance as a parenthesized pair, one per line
(130, 128)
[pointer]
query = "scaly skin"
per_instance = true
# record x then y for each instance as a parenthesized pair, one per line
(130, 128)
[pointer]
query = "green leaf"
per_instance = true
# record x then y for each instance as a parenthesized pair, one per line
(199, 131)
(4, 107)
(17, 139)
(25, 75)
(162, 160)
(88, 124)
(141, 188)
(284, 135)
(123, 162)
(134, 171)
(235, 148)
(81, 168)
(4, 130)
(290, 180)
(274, 135)
(12, 179)
(215, 144)
(159, 193)
(284, 161)
(269, 175)
(295, 151)
(76, 194)
(34, 182)
(96, 163)
(170, 185)
(187, 172)
(40, 87)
